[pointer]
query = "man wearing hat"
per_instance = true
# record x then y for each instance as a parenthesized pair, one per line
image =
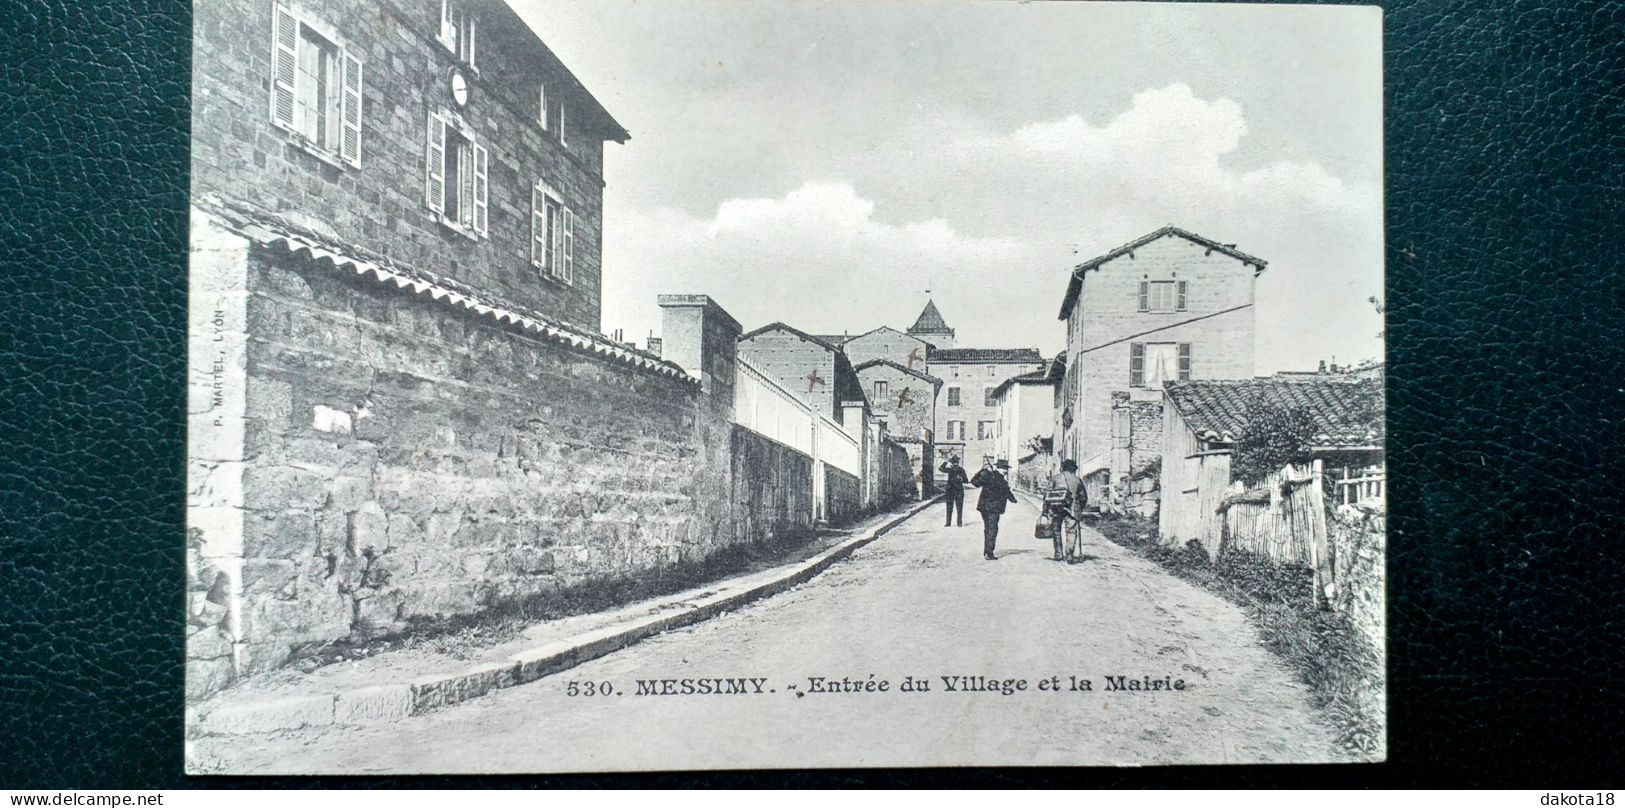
(995, 493)
(954, 493)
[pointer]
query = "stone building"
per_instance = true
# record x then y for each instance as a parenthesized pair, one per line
(1168, 306)
(811, 366)
(905, 402)
(431, 133)
(968, 420)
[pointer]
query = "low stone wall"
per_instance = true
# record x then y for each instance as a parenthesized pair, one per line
(772, 488)
(843, 495)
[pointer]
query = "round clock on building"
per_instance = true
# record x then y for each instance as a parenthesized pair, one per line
(459, 88)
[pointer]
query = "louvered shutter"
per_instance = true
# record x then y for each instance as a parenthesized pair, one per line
(1136, 364)
(436, 161)
(1184, 361)
(538, 227)
(1145, 296)
(284, 64)
(1181, 301)
(480, 208)
(350, 144)
(569, 246)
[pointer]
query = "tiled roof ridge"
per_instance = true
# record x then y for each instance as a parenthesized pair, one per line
(783, 326)
(898, 365)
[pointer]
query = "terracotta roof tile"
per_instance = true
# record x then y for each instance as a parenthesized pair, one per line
(1346, 412)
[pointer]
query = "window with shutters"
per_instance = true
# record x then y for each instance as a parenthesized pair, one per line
(315, 87)
(953, 396)
(541, 105)
(988, 399)
(880, 391)
(984, 430)
(458, 171)
(552, 235)
(1162, 296)
(458, 29)
(1152, 363)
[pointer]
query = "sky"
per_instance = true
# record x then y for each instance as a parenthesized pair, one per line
(826, 163)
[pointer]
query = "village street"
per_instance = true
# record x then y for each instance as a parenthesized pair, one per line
(918, 602)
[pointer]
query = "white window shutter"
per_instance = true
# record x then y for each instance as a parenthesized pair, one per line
(473, 29)
(569, 246)
(538, 228)
(481, 212)
(448, 33)
(350, 143)
(541, 104)
(436, 160)
(284, 64)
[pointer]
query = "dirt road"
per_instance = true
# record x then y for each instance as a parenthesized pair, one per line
(918, 603)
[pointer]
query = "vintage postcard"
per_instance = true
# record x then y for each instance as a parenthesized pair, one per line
(621, 386)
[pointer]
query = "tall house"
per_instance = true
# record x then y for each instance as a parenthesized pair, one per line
(968, 412)
(1170, 305)
(440, 137)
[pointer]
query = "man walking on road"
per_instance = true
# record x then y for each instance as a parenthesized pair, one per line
(995, 493)
(954, 495)
(1067, 512)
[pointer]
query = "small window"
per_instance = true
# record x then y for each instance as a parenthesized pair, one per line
(992, 370)
(953, 396)
(987, 397)
(457, 177)
(552, 235)
(984, 430)
(880, 391)
(315, 88)
(541, 105)
(1159, 296)
(458, 29)
(562, 139)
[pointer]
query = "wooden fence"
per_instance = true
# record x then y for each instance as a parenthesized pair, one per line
(1361, 485)
(1283, 520)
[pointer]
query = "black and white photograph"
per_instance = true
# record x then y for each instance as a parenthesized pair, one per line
(626, 386)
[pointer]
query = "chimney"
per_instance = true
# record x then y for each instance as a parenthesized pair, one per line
(1322, 366)
(654, 345)
(702, 339)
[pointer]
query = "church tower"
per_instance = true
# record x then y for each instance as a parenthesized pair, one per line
(932, 328)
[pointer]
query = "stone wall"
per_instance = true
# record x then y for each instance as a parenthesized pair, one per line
(380, 205)
(408, 461)
(772, 488)
(795, 362)
(843, 494)
(897, 483)
(1357, 538)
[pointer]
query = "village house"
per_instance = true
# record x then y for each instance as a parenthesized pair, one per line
(965, 422)
(904, 401)
(969, 416)
(1025, 407)
(811, 366)
(433, 133)
(1203, 420)
(1168, 306)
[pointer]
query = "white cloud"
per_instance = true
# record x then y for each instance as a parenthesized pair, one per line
(817, 257)
(996, 219)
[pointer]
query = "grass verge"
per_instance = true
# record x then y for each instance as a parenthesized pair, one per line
(1344, 673)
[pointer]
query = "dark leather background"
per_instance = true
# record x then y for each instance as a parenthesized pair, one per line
(1507, 393)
